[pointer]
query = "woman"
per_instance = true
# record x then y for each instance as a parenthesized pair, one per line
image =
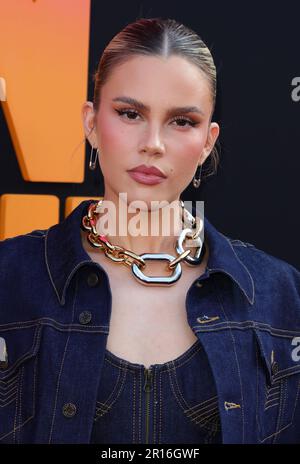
(204, 350)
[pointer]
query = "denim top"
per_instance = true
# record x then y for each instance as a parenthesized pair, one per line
(55, 307)
(173, 402)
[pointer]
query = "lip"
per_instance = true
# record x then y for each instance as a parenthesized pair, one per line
(150, 170)
(148, 179)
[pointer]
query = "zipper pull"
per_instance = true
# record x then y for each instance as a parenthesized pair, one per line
(3, 354)
(148, 379)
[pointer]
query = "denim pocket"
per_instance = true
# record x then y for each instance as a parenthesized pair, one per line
(204, 413)
(110, 389)
(277, 382)
(18, 379)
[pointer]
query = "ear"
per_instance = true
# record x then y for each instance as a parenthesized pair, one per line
(89, 123)
(213, 133)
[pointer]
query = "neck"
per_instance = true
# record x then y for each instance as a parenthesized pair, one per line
(142, 231)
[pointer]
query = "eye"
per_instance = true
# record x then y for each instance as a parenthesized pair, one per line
(131, 112)
(186, 120)
(134, 113)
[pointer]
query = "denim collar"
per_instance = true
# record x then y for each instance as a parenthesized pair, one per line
(64, 254)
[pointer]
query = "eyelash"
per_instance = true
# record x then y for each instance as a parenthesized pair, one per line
(189, 121)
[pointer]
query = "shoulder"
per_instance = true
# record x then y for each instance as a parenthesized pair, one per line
(17, 239)
(266, 269)
(22, 277)
(18, 249)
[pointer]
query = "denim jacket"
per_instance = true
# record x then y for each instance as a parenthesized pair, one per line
(55, 306)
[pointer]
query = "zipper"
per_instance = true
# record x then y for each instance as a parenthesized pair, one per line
(147, 388)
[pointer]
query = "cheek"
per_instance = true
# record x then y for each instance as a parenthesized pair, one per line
(112, 135)
(184, 163)
(188, 145)
(186, 158)
(114, 144)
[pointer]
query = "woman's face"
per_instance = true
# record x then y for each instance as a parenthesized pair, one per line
(155, 134)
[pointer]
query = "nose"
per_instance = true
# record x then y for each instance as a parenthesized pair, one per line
(152, 142)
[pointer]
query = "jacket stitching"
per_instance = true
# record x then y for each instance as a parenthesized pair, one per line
(246, 325)
(61, 367)
(53, 323)
(47, 264)
(290, 423)
(237, 361)
(253, 287)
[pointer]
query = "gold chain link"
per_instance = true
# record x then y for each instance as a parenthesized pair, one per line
(119, 254)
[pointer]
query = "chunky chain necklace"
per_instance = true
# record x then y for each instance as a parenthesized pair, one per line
(137, 262)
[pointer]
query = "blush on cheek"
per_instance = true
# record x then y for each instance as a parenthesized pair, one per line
(110, 131)
(106, 129)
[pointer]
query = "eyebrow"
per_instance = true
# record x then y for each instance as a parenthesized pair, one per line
(141, 106)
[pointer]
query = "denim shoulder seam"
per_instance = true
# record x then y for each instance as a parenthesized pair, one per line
(238, 242)
(246, 268)
(18, 237)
